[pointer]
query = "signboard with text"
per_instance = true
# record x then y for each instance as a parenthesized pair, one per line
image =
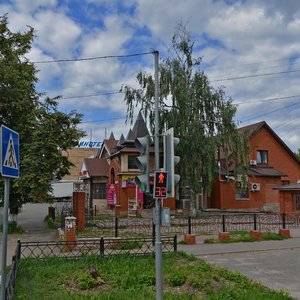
(112, 193)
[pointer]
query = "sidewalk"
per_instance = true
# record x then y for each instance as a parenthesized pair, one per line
(201, 249)
(31, 219)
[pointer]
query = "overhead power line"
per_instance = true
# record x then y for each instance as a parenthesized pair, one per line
(256, 75)
(266, 100)
(90, 58)
(94, 95)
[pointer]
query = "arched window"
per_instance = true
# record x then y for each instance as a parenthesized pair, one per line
(112, 176)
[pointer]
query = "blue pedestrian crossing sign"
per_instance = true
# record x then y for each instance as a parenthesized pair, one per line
(9, 150)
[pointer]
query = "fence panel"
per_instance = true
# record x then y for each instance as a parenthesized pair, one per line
(269, 222)
(84, 247)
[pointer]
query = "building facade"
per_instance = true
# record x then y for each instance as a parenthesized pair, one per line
(271, 182)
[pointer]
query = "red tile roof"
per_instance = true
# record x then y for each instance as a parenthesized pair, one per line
(96, 166)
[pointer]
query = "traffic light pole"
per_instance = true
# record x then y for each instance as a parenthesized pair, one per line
(157, 221)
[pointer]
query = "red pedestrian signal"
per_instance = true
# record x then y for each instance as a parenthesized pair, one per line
(160, 184)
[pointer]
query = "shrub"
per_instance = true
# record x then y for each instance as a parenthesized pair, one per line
(176, 280)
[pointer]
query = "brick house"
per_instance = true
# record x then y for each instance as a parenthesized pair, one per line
(123, 196)
(94, 173)
(271, 183)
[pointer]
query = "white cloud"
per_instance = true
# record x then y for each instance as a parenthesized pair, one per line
(56, 33)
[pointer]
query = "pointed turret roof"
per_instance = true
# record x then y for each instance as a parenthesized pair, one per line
(139, 128)
(130, 136)
(121, 140)
(111, 137)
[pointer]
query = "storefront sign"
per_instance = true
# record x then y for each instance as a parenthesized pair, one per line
(128, 181)
(112, 193)
(89, 144)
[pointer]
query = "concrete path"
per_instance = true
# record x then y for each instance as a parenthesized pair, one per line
(31, 218)
(275, 264)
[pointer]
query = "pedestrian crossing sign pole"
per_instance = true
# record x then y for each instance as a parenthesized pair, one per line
(9, 168)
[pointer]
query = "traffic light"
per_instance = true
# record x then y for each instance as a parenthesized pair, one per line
(160, 184)
(171, 160)
(142, 162)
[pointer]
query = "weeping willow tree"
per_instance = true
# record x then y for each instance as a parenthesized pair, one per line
(202, 116)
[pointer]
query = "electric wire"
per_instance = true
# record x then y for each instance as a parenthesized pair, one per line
(91, 58)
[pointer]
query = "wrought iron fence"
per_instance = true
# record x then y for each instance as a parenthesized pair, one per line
(206, 223)
(11, 278)
(102, 246)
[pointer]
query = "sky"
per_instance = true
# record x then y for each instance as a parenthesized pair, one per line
(251, 48)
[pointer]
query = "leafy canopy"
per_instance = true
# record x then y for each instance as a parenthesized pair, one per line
(43, 130)
(202, 117)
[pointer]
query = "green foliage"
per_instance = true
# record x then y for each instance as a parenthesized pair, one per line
(13, 227)
(244, 236)
(88, 279)
(202, 117)
(176, 279)
(49, 222)
(43, 130)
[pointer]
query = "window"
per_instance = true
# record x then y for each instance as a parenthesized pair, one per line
(241, 191)
(99, 190)
(285, 182)
(262, 157)
(132, 163)
(296, 198)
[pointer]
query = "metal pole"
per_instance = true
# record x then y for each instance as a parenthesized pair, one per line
(158, 246)
(5, 229)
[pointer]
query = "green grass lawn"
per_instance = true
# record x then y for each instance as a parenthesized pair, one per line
(244, 236)
(128, 277)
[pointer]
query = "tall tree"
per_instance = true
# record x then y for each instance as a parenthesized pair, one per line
(43, 130)
(202, 117)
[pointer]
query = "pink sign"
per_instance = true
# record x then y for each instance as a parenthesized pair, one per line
(112, 193)
(139, 196)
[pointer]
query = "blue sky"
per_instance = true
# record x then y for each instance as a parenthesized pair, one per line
(251, 48)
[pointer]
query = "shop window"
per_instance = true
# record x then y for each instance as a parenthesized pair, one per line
(262, 157)
(241, 191)
(132, 163)
(99, 190)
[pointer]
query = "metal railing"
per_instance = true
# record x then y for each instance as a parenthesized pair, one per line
(206, 223)
(11, 278)
(102, 246)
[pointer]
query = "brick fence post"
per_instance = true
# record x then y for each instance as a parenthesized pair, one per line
(70, 232)
(79, 209)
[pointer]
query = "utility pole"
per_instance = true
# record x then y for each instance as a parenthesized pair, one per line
(157, 215)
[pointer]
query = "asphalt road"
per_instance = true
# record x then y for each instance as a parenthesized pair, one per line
(277, 269)
(275, 264)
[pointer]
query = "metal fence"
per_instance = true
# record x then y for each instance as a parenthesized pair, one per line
(206, 223)
(102, 247)
(11, 278)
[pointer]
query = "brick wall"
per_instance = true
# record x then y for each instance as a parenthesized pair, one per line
(76, 156)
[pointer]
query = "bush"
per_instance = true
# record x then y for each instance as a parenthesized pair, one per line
(176, 280)
(13, 228)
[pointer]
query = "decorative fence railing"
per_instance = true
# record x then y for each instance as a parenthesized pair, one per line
(102, 246)
(81, 248)
(11, 277)
(208, 223)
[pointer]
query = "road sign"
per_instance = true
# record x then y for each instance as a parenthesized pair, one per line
(9, 150)
(160, 184)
